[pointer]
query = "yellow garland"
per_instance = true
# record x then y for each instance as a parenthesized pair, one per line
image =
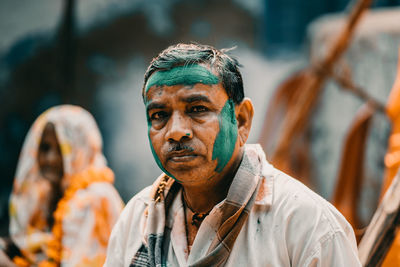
(77, 182)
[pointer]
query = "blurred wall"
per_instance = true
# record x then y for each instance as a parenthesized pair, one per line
(371, 62)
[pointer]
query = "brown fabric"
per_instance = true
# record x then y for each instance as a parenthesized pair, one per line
(350, 177)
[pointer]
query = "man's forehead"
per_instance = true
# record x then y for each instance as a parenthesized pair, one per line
(182, 75)
(184, 93)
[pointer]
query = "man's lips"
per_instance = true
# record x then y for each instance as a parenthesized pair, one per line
(181, 156)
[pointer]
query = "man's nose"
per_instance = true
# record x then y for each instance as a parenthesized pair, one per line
(179, 128)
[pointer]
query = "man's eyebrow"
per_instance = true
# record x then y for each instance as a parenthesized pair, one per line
(155, 105)
(195, 98)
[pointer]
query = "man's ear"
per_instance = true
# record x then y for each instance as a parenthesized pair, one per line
(244, 116)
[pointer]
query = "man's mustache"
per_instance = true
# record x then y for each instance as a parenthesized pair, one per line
(179, 147)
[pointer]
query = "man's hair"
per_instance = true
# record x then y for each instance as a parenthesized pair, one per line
(180, 54)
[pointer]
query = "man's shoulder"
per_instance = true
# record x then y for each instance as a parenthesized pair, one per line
(140, 199)
(290, 200)
(127, 233)
(287, 197)
(292, 191)
(133, 211)
(309, 223)
(300, 225)
(296, 203)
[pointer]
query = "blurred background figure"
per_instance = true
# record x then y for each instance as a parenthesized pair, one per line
(63, 204)
(94, 54)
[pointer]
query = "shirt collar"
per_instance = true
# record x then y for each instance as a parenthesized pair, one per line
(266, 173)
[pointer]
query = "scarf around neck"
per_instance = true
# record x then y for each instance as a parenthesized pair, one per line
(230, 216)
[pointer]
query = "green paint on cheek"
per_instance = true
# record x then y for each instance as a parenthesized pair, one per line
(225, 141)
(156, 158)
(186, 75)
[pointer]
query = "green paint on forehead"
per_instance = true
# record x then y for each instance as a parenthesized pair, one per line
(225, 141)
(186, 75)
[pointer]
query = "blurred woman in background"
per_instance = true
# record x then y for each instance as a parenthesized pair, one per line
(63, 204)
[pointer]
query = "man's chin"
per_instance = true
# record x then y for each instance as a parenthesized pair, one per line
(181, 166)
(180, 173)
(187, 175)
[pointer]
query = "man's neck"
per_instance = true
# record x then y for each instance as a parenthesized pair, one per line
(202, 198)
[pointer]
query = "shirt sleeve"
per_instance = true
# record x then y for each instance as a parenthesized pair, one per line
(127, 235)
(316, 233)
(333, 250)
(115, 254)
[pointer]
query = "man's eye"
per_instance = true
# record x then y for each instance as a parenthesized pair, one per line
(198, 109)
(158, 115)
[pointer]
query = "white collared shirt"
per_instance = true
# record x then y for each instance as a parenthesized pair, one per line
(289, 225)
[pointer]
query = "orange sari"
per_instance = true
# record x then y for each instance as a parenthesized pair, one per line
(90, 204)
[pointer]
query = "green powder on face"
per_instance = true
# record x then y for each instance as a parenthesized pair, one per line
(225, 141)
(159, 162)
(156, 158)
(185, 75)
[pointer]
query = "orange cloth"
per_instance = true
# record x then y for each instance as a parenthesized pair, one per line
(89, 207)
(392, 160)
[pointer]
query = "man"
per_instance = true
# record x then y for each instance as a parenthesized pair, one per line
(218, 201)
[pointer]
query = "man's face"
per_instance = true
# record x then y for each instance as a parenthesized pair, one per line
(192, 129)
